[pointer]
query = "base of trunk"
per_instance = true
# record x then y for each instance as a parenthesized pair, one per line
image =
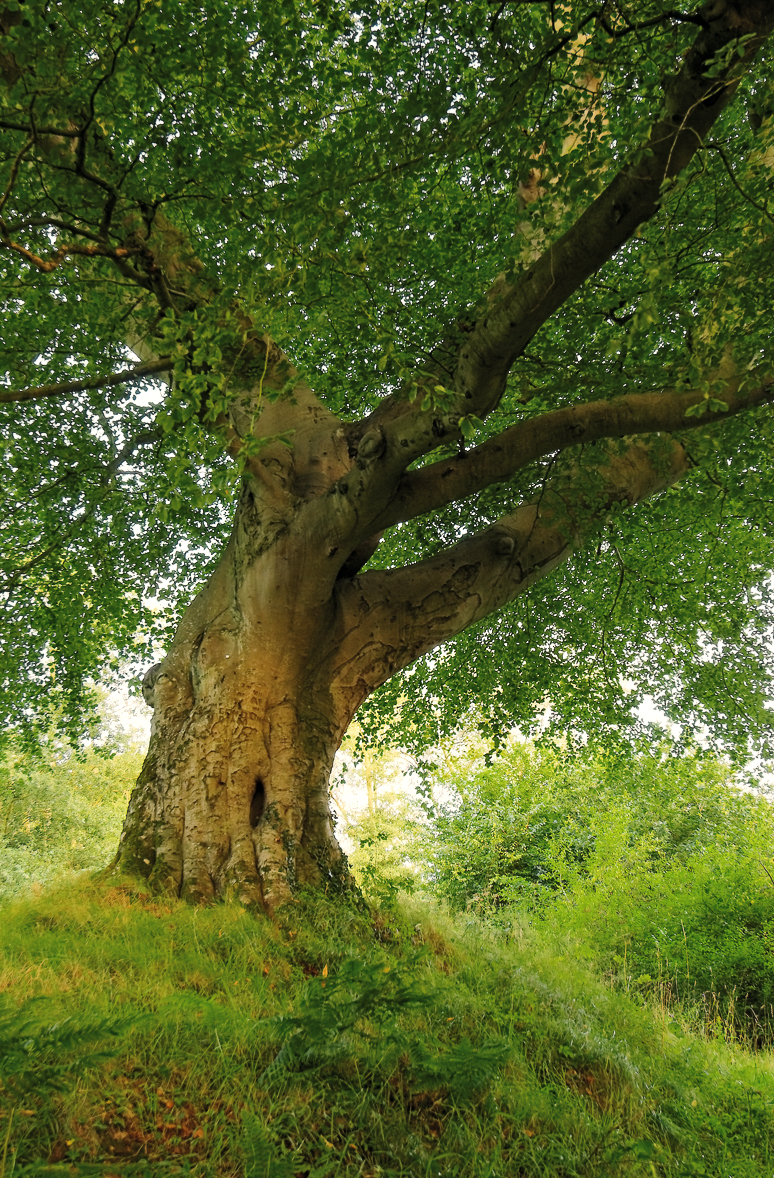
(294, 868)
(225, 841)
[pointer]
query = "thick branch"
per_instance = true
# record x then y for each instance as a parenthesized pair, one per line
(259, 368)
(693, 102)
(67, 387)
(391, 618)
(155, 256)
(501, 457)
(66, 250)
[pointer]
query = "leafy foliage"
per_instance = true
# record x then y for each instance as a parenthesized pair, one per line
(522, 826)
(336, 1008)
(465, 1070)
(262, 1159)
(354, 179)
(385, 850)
(39, 1056)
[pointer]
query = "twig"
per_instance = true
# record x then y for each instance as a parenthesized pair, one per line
(93, 382)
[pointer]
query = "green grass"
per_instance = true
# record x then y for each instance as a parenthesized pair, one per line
(141, 1036)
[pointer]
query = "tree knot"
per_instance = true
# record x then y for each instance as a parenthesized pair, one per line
(371, 445)
(149, 684)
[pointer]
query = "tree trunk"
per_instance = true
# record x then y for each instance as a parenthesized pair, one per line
(233, 797)
(277, 652)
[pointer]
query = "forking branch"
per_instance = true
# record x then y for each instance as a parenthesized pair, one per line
(515, 309)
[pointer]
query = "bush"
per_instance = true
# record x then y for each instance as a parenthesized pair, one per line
(656, 868)
(60, 813)
(700, 931)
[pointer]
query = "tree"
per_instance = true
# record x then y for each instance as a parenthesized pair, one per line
(470, 280)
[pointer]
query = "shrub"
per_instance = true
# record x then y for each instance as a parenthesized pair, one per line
(61, 813)
(657, 868)
(383, 855)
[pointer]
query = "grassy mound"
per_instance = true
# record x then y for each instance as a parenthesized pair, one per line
(140, 1036)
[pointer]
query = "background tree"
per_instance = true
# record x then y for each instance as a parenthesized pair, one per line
(298, 214)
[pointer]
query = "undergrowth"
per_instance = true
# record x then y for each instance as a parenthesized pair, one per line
(140, 1036)
(60, 813)
(655, 869)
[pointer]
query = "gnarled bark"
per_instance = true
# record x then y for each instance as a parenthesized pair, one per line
(233, 796)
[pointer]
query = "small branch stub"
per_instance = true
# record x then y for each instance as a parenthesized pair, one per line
(149, 684)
